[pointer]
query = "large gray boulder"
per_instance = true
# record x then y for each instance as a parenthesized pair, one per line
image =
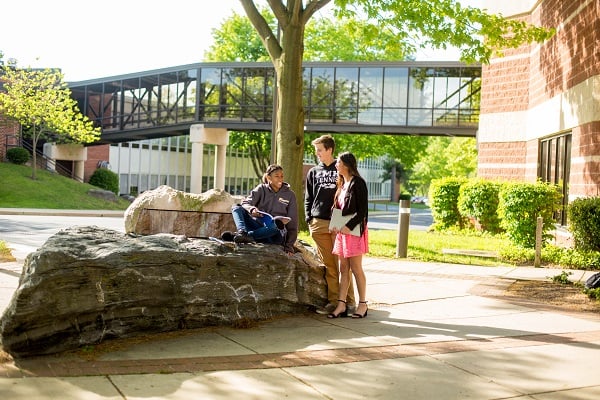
(167, 210)
(87, 284)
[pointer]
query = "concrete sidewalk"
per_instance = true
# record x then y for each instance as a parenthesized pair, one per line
(433, 331)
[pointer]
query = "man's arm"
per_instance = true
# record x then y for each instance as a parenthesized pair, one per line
(308, 196)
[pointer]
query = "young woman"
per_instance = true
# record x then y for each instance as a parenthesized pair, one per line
(319, 192)
(352, 198)
(275, 197)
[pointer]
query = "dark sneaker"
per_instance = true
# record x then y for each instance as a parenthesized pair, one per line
(243, 237)
(328, 309)
(351, 308)
(227, 236)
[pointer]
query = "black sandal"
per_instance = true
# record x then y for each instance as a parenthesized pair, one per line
(343, 314)
(357, 315)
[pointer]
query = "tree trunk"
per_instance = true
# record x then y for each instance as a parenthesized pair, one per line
(290, 114)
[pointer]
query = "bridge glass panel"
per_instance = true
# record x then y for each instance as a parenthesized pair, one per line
(238, 94)
(129, 108)
(254, 90)
(420, 96)
(209, 94)
(318, 91)
(370, 96)
(470, 89)
(395, 96)
(455, 96)
(346, 95)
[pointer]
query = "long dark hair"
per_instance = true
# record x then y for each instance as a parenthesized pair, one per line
(349, 161)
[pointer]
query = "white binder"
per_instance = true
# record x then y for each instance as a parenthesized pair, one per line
(338, 221)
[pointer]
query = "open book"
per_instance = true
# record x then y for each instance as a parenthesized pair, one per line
(267, 218)
(338, 221)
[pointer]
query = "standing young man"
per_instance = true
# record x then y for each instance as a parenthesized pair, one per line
(320, 188)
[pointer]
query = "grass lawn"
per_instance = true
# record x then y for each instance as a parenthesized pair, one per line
(427, 246)
(49, 190)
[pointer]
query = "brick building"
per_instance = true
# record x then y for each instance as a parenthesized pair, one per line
(540, 104)
(9, 131)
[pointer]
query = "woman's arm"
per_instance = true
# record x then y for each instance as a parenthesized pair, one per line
(358, 202)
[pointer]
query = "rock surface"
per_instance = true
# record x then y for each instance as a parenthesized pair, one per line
(167, 210)
(87, 284)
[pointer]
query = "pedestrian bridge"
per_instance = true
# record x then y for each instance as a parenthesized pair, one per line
(397, 98)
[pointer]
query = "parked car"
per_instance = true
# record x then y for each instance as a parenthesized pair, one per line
(419, 200)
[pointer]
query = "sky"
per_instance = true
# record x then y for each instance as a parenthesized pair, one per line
(89, 40)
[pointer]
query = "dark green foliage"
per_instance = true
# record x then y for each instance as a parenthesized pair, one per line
(105, 179)
(478, 199)
(552, 256)
(519, 207)
(584, 223)
(593, 294)
(17, 155)
(443, 195)
(571, 258)
(562, 278)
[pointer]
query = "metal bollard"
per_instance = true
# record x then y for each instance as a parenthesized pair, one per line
(537, 262)
(403, 225)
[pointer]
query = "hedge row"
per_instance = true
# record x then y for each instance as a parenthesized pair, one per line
(509, 207)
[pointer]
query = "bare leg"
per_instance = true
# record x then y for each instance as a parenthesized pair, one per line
(344, 284)
(355, 264)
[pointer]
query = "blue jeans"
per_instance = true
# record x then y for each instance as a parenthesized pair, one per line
(256, 229)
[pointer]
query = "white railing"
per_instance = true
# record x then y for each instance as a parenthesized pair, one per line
(146, 164)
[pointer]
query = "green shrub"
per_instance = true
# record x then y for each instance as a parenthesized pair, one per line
(584, 223)
(571, 258)
(17, 155)
(443, 198)
(478, 199)
(553, 256)
(563, 278)
(105, 179)
(519, 207)
(517, 255)
(593, 294)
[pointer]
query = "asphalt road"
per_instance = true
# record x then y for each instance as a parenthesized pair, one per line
(26, 233)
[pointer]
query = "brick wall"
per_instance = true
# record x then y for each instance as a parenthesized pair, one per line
(505, 85)
(542, 90)
(532, 74)
(585, 161)
(8, 136)
(502, 161)
(94, 155)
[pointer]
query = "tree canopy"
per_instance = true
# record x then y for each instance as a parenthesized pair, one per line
(435, 23)
(326, 39)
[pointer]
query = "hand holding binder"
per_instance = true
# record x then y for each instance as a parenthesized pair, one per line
(338, 221)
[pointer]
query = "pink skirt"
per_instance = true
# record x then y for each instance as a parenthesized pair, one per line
(347, 246)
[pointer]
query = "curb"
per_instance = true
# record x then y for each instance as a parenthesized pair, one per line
(63, 213)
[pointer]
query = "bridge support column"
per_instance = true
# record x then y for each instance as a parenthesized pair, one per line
(199, 135)
(70, 152)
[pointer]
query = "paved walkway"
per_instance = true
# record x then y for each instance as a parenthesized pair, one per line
(434, 331)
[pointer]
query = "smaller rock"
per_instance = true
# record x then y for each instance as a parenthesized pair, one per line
(103, 194)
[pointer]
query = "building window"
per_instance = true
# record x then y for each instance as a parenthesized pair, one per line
(554, 167)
